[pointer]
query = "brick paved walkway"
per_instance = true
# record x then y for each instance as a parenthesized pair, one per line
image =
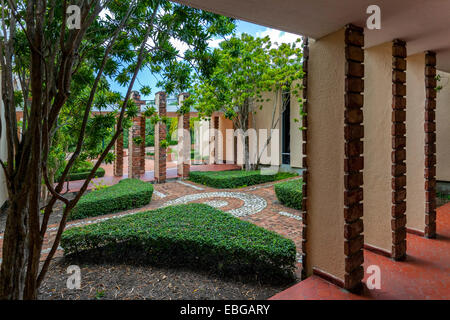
(271, 215)
(424, 275)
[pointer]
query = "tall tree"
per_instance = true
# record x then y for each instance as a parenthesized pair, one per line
(117, 39)
(245, 68)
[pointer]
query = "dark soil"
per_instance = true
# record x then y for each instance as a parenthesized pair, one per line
(126, 282)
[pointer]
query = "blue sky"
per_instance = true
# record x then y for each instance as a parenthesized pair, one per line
(146, 78)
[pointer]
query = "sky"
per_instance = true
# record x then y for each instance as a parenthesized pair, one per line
(146, 78)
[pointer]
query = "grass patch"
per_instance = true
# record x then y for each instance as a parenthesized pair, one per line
(290, 194)
(192, 235)
(235, 178)
(127, 194)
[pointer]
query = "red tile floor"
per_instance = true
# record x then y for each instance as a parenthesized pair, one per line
(424, 275)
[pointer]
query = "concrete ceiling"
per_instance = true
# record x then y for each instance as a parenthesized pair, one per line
(424, 24)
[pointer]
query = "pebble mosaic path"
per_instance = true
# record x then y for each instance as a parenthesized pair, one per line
(256, 204)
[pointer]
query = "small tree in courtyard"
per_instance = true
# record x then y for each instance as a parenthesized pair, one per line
(114, 38)
(246, 68)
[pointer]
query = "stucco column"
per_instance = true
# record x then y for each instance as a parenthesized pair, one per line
(118, 151)
(160, 134)
(214, 140)
(334, 182)
(421, 144)
(384, 149)
(184, 140)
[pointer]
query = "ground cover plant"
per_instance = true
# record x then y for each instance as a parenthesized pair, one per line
(82, 171)
(191, 235)
(127, 194)
(289, 193)
(235, 178)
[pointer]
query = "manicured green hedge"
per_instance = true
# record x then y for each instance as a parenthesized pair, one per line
(191, 235)
(289, 193)
(81, 171)
(235, 178)
(127, 194)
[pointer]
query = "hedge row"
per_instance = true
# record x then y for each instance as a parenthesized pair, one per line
(191, 235)
(235, 178)
(81, 171)
(127, 194)
(290, 194)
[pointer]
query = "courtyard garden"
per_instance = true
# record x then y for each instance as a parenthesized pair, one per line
(180, 240)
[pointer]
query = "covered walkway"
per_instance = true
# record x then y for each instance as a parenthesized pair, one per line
(425, 274)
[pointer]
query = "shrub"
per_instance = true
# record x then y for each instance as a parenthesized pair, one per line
(193, 235)
(127, 194)
(81, 171)
(236, 178)
(289, 193)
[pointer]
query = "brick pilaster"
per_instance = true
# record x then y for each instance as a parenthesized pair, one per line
(304, 153)
(118, 162)
(134, 149)
(142, 129)
(160, 134)
(184, 141)
(398, 220)
(430, 144)
(354, 161)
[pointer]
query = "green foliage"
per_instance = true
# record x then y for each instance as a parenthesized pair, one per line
(192, 235)
(235, 178)
(81, 171)
(127, 194)
(290, 194)
(246, 68)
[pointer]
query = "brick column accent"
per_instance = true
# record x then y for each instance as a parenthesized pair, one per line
(430, 144)
(354, 162)
(118, 162)
(305, 149)
(142, 130)
(398, 221)
(184, 141)
(160, 134)
(134, 150)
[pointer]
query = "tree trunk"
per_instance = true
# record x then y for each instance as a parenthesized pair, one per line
(15, 250)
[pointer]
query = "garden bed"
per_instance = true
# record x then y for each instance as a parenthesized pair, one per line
(235, 178)
(129, 282)
(125, 195)
(290, 194)
(193, 235)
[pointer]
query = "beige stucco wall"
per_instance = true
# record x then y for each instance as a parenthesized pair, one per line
(3, 191)
(227, 140)
(415, 142)
(378, 146)
(443, 129)
(325, 245)
(262, 119)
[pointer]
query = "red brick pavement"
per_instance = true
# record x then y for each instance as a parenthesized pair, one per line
(268, 218)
